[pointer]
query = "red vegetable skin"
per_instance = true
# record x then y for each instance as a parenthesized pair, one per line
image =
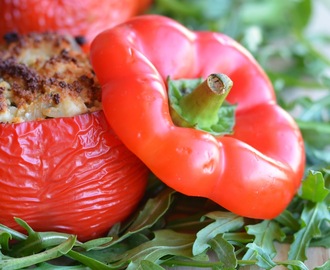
(76, 17)
(68, 174)
(255, 172)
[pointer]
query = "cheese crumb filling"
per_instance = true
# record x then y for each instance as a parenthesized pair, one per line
(45, 76)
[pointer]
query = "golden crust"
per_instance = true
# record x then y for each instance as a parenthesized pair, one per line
(45, 76)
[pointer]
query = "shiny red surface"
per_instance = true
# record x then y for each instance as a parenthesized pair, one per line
(68, 174)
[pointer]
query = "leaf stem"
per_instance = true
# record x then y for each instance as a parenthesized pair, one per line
(201, 264)
(15, 234)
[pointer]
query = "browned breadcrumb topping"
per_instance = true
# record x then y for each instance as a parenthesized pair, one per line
(45, 76)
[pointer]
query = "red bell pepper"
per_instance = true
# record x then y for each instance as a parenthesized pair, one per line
(254, 172)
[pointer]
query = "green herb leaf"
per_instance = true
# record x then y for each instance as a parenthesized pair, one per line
(165, 242)
(148, 265)
(264, 260)
(151, 212)
(325, 266)
(14, 234)
(312, 217)
(55, 252)
(293, 264)
(313, 187)
(5, 237)
(287, 219)
(224, 251)
(37, 241)
(98, 243)
(301, 7)
(88, 261)
(265, 233)
(48, 266)
(223, 222)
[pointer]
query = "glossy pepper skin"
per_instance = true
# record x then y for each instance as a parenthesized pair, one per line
(255, 172)
(75, 17)
(68, 174)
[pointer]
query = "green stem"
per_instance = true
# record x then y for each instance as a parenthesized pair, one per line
(240, 237)
(201, 106)
(246, 262)
(15, 234)
(202, 264)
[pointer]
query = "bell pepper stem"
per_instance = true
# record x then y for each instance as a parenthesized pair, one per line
(201, 106)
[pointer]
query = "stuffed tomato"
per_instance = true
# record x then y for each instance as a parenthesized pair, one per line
(61, 166)
(79, 18)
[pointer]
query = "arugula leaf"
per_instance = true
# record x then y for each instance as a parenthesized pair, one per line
(5, 237)
(37, 241)
(223, 222)
(98, 243)
(325, 266)
(294, 264)
(313, 188)
(165, 242)
(224, 251)
(148, 265)
(288, 220)
(314, 215)
(55, 252)
(265, 234)
(264, 260)
(151, 212)
(48, 266)
(88, 261)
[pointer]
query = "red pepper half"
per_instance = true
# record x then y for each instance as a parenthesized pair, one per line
(68, 174)
(254, 172)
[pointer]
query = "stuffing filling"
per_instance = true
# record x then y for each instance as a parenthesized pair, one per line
(45, 76)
